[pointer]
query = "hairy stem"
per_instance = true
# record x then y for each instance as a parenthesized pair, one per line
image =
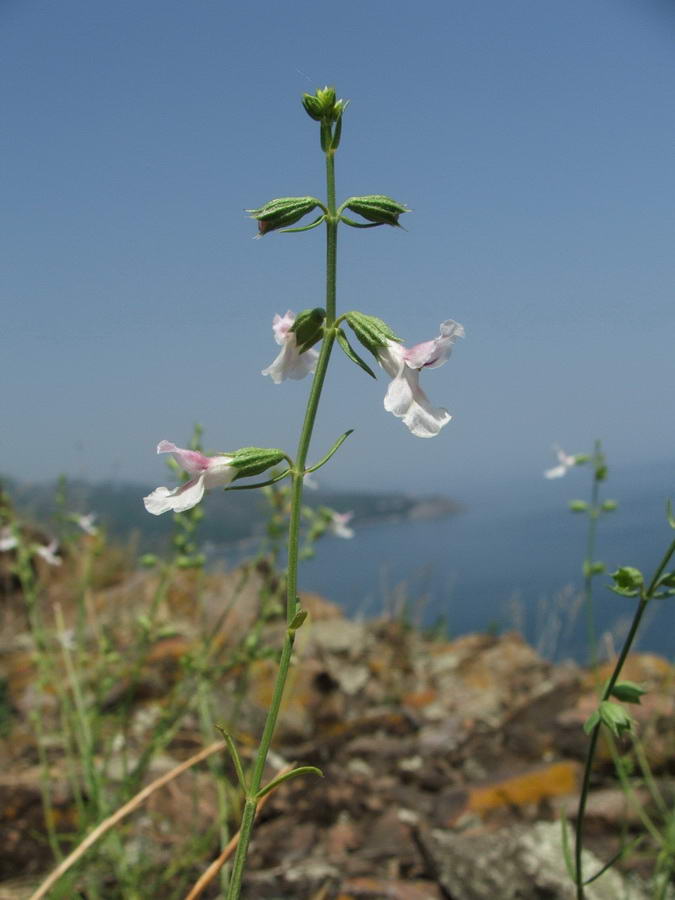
(293, 535)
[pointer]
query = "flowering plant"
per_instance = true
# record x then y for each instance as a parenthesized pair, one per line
(297, 336)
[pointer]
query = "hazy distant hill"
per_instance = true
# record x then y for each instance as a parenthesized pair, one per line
(239, 514)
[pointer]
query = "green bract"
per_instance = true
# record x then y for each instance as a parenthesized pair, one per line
(308, 327)
(578, 505)
(376, 208)
(254, 460)
(282, 212)
(372, 332)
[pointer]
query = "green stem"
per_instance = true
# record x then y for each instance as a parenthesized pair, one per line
(293, 535)
(583, 798)
(594, 514)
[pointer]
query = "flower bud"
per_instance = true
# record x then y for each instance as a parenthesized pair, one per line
(377, 208)
(578, 506)
(323, 105)
(282, 212)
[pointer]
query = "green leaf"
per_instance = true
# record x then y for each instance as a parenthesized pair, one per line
(567, 852)
(592, 721)
(628, 691)
(352, 354)
(623, 851)
(609, 505)
(301, 770)
(578, 506)
(669, 513)
(336, 446)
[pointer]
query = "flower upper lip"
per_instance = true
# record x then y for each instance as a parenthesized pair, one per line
(208, 472)
(289, 363)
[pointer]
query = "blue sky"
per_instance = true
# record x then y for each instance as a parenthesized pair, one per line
(533, 141)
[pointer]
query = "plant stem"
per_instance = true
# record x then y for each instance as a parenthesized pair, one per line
(583, 798)
(593, 515)
(293, 534)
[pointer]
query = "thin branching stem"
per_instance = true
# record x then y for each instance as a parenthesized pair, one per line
(646, 596)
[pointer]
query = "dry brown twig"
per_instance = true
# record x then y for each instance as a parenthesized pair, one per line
(121, 813)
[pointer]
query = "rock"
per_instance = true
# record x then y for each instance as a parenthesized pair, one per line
(518, 863)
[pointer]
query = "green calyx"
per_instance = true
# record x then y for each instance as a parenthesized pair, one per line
(250, 461)
(612, 716)
(628, 691)
(282, 212)
(308, 327)
(376, 208)
(628, 581)
(372, 332)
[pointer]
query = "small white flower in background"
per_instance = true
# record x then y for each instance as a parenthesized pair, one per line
(310, 482)
(565, 462)
(208, 472)
(405, 398)
(289, 363)
(338, 525)
(86, 523)
(48, 553)
(8, 540)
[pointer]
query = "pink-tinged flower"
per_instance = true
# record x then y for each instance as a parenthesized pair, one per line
(86, 523)
(565, 462)
(405, 398)
(48, 553)
(339, 527)
(8, 540)
(289, 363)
(208, 472)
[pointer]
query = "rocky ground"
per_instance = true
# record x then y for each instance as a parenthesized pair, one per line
(447, 765)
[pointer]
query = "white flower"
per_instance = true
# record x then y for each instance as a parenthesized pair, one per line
(8, 540)
(86, 523)
(405, 398)
(310, 482)
(289, 363)
(338, 524)
(208, 472)
(48, 553)
(565, 462)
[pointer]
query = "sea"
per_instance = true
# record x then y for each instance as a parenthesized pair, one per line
(511, 560)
